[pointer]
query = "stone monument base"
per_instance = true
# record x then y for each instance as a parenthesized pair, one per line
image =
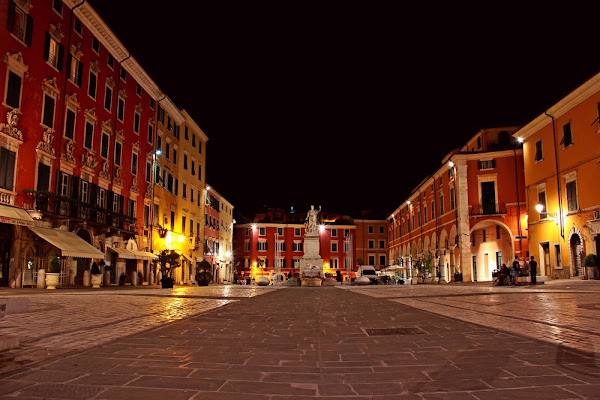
(311, 282)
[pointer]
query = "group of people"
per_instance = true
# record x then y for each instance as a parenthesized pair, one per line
(514, 271)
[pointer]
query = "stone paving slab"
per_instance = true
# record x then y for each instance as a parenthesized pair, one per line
(306, 343)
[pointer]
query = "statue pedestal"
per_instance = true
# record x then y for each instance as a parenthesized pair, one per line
(311, 263)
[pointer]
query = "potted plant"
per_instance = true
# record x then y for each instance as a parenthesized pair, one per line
(458, 275)
(96, 276)
(203, 275)
(168, 260)
(53, 274)
(591, 264)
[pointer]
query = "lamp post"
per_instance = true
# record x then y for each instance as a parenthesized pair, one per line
(151, 213)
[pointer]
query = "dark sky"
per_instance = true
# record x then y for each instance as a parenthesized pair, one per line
(349, 106)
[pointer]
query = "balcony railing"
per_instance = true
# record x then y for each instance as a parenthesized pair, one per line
(55, 205)
(488, 209)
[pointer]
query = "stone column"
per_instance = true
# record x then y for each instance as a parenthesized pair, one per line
(463, 228)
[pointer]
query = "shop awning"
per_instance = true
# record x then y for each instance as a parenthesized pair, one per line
(15, 216)
(133, 254)
(69, 243)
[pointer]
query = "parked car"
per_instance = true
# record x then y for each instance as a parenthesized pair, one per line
(368, 271)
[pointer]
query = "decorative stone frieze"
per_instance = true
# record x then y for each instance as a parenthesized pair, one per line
(68, 156)
(148, 193)
(45, 144)
(49, 85)
(89, 160)
(104, 171)
(56, 31)
(73, 102)
(117, 180)
(10, 127)
(76, 50)
(90, 113)
(16, 62)
(95, 66)
(134, 185)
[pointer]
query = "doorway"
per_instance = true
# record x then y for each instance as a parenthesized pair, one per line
(545, 258)
(474, 268)
(5, 244)
(498, 259)
(488, 197)
(486, 264)
(576, 250)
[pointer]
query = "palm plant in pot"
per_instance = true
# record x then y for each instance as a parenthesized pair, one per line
(168, 260)
(53, 274)
(203, 275)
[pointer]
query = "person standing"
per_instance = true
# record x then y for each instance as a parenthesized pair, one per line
(533, 269)
(514, 271)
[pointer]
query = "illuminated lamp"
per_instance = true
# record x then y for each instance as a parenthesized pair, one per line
(451, 164)
(539, 208)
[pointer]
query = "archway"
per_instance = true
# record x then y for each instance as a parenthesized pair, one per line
(491, 246)
(576, 254)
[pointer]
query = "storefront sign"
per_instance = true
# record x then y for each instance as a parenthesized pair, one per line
(13, 221)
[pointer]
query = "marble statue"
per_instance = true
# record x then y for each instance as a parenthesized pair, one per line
(311, 219)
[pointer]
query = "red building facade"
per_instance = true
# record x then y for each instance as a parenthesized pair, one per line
(469, 216)
(274, 244)
(76, 152)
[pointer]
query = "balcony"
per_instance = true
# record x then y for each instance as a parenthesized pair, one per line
(54, 205)
(488, 209)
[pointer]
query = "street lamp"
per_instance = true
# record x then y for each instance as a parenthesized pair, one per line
(539, 208)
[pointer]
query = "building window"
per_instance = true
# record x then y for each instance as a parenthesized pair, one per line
(567, 139)
(487, 164)
(334, 247)
(280, 231)
(542, 201)
(159, 143)
(102, 198)
(95, 45)
(192, 194)
(134, 163)
(138, 90)
(64, 182)
(7, 168)
(199, 172)
(123, 74)
(479, 142)
(432, 210)
(452, 199)
(346, 232)
(74, 70)
(193, 140)
(296, 263)
(333, 232)
(371, 260)
(84, 191)
(298, 247)
(382, 228)
(43, 176)
(169, 125)
(104, 145)
(48, 111)
(89, 135)
(381, 260)
(261, 246)
(473, 239)
(121, 108)
(557, 256)
(184, 189)
(484, 235)
(441, 203)
(19, 23)
(148, 171)
(118, 151)
(110, 61)
(57, 6)
(186, 134)
(53, 52)
(77, 26)
(185, 161)
(297, 232)
(371, 244)
(13, 90)
(92, 85)
(262, 231)
(425, 213)
(172, 220)
(497, 232)
(193, 170)
(168, 150)
(371, 230)
(107, 98)
(199, 147)
(572, 204)
(70, 124)
(183, 224)
(150, 133)
(136, 122)
(382, 244)
(539, 156)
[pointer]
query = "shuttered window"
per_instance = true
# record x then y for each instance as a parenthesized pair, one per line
(572, 196)
(7, 168)
(89, 135)
(43, 178)
(70, 124)
(13, 90)
(92, 85)
(48, 113)
(539, 155)
(104, 145)
(53, 52)
(108, 98)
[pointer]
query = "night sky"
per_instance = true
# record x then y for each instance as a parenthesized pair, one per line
(349, 107)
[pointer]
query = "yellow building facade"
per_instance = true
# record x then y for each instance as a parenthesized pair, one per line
(225, 267)
(561, 149)
(167, 233)
(190, 205)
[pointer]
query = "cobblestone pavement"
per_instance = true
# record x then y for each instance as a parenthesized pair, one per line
(305, 343)
(564, 312)
(76, 319)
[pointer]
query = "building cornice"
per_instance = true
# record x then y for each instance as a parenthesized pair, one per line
(190, 121)
(567, 103)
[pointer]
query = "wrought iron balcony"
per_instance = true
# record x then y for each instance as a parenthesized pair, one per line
(55, 205)
(488, 209)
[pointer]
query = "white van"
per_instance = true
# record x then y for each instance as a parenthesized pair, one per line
(368, 271)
